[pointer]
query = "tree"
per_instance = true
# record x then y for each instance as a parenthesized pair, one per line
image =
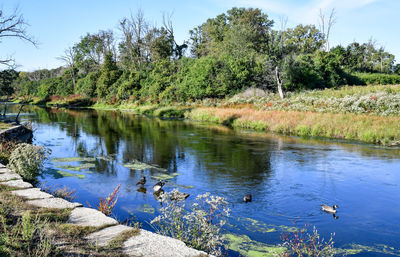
(178, 50)
(91, 51)
(6, 79)
(132, 48)
(326, 24)
(14, 26)
(69, 57)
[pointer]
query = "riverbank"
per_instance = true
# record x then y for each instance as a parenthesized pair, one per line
(35, 223)
(360, 127)
(367, 114)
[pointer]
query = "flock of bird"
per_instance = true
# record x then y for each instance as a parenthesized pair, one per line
(157, 188)
(158, 191)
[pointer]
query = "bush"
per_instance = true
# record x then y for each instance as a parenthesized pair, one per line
(378, 78)
(28, 160)
(304, 243)
(199, 227)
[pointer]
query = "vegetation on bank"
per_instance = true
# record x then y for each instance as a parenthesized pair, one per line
(26, 230)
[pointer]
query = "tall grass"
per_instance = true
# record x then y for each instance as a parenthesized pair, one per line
(366, 128)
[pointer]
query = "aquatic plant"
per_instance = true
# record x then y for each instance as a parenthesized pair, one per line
(303, 243)
(27, 160)
(106, 205)
(199, 226)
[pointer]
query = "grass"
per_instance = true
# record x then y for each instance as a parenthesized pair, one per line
(26, 230)
(366, 128)
(5, 125)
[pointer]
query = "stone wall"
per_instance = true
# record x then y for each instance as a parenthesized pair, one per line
(18, 132)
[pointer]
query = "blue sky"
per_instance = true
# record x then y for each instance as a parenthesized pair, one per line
(59, 24)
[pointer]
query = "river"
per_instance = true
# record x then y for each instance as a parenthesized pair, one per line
(288, 177)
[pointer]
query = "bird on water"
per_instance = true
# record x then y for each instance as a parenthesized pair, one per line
(158, 186)
(329, 209)
(142, 181)
(247, 198)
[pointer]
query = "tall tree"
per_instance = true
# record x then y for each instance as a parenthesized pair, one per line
(326, 24)
(69, 58)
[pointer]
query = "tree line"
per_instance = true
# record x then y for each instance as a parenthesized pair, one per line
(224, 55)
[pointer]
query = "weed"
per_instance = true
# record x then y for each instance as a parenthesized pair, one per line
(106, 206)
(303, 243)
(199, 227)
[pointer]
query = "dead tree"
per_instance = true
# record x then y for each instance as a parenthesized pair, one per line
(325, 25)
(13, 26)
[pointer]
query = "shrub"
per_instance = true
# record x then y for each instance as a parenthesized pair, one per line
(303, 243)
(6, 148)
(378, 78)
(199, 227)
(28, 160)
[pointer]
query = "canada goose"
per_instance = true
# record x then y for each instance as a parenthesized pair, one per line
(247, 198)
(329, 209)
(158, 186)
(178, 196)
(142, 181)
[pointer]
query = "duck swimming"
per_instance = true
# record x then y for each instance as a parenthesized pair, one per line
(142, 181)
(329, 209)
(158, 186)
(247, 198)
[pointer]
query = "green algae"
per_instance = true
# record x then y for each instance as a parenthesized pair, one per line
(162, 176)
(105, 158)
(138, 165)
(261, 227)
(77, 167)
(180, 186)
(377, 248)
(74, 159)
(68, 174)
(247, 247)
(147, 208)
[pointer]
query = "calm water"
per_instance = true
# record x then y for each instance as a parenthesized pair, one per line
(289, 178)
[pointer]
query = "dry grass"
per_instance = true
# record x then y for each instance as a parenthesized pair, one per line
(366, 128)
(52, 237)
(5, 125)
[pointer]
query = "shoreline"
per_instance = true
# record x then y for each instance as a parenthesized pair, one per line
(364, 128)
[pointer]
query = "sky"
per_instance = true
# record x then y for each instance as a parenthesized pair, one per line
(57, 25)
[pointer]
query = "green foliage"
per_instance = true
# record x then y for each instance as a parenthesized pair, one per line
(378, 78)
(7, 77)
(108, 76)
(27, 160)
(87, 85)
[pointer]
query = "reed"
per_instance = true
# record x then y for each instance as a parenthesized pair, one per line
(366, 128)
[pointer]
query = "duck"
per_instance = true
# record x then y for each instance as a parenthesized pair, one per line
(158, 186)
(247, 198)
(142, 181)
(329, 209)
